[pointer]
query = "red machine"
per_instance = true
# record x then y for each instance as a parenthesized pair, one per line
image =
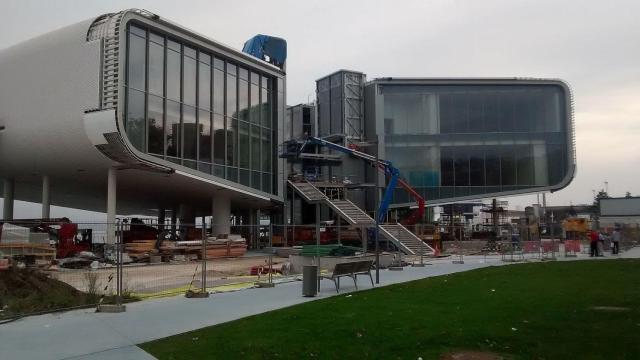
(62, 231)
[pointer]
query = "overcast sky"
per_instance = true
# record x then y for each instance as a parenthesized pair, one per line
(593, 45)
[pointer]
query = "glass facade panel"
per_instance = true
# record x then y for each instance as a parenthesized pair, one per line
(155, 116)
(198, 110)
(190, 132)
(461, 140)
(218, 91)
(244, 146)
(137, 61)
(218, 139)
(255, 148)
(135, 119)
(204, 86)
(173, 73)
(189, 80)
(156, 69)
(266, 108)
(173, 129)
(204, 133)
(243, 100)
(232, 105)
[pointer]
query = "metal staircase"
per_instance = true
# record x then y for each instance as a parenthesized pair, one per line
(309, 193)
(405, 240)
(350, 212)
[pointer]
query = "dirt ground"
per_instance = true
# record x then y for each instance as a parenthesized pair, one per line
(154, 278)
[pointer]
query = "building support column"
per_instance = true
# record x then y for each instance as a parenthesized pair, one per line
(221, 213)
(46, 197)
(162, 214)
(111, 205)
(9, 195)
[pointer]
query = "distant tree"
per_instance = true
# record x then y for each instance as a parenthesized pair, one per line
(627, 195)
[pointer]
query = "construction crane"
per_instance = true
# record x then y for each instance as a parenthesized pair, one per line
(388, 169)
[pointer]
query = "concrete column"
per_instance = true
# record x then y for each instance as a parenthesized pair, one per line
(9, 194)
(162, 214)
(46, 197)
(111, 205)
(221, 212)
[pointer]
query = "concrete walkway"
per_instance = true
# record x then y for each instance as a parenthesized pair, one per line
(84, 334)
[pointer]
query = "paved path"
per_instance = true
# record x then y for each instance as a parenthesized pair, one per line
(84, 334)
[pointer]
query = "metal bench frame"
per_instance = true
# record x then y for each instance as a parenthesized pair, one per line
(351, 269)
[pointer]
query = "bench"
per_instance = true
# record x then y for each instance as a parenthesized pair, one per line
(350, 269)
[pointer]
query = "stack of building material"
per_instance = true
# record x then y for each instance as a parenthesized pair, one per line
(140, 248)
(215, 248)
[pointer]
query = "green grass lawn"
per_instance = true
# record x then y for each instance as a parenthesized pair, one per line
(525, 311)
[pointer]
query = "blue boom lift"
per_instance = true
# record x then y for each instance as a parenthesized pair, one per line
(385, 166)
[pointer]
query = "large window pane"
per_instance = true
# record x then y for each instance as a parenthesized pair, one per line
(266, 150)
(137, 60)
(243, 146)
(476, 166)
(255, 104)
(446, 167)
(218, 91)
(266, 108)
(232, 96)
(507, 166)
(190, 132)
(492, 165)
(135, 119)
(204, 129)
(204, 86)
(524, 160)
(243, 100)
(461, 167)
(232, 143)
(189, 83)
(255, 147)
(156, 69)
(156, 128)
(173, 74)
(218, 139)
(173, 128)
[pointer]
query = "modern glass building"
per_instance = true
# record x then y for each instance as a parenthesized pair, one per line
(129, 105)
(456, 139)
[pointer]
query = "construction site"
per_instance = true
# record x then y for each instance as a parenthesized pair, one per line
(210, 183)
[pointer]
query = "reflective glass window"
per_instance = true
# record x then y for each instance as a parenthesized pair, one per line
(173, 74)
(189, 80)
(190, 137)
(156, 69)
(232, 143)
(218, 91)
(137, 61)
(255, 147)
(204, 132)
(244, 146)
(232, 96)
(135, 125)
(266, 108)
(255, 104)
(266, 150)
(155, 115)
(204, 86)
(173, 128)
(243, 100)
(218, 139)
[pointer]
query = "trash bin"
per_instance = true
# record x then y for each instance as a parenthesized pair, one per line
(310, 280)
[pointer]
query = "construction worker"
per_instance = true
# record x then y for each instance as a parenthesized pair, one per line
(594, 237)
(615, 241)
